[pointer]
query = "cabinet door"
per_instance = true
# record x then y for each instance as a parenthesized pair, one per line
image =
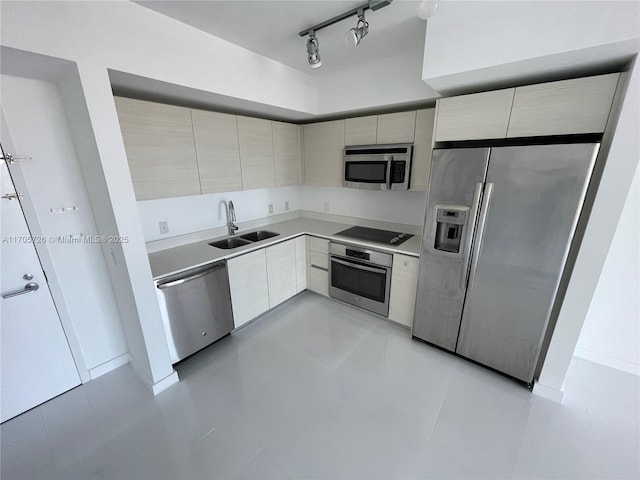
(323, 148)
(217, 150)
(286, 153)
(301, 263)
(281, 272)
(472, 117)
(570, 106)
(256, 152)
(422, 148)
(361, 130)
(249, 287)
(396, 127)
(404, 281)
(158, 140)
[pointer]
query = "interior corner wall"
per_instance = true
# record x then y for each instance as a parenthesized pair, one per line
(611, 331)
(467, 40)
(391, 81)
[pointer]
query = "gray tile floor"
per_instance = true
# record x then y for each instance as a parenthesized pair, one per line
(316, 389)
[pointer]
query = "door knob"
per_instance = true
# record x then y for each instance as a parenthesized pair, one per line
(29, 287)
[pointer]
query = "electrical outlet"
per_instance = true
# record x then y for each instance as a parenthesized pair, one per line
(164, 227)
(326, 206)
(286, 206)
(271, 208)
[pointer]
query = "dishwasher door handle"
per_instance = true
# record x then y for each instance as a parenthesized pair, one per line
(201, 274)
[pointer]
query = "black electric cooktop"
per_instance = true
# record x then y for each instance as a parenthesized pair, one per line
(373, 235)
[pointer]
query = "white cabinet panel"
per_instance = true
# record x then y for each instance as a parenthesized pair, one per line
(286, 153)
(301, 263)
(217, 150)
(404, 281)
(323, 148)
(396, 127)
(579, 105)
(249, 286)
(422, 147)
(476, 116)
(281, 272)
(256, 152)
(319, 280)
(319, 265)
(361, 130)
(159, 143)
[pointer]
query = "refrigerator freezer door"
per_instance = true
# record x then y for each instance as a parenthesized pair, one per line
(455, 188)
(531, 217)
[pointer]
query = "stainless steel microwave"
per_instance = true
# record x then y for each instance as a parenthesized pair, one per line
(378, 167)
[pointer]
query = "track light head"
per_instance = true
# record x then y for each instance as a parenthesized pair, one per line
(313, 51)
(353, 36)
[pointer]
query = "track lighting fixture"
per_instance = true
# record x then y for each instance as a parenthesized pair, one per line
(313, 50)
(353, 36)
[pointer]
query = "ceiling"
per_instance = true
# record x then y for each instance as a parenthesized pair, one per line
(270, 28)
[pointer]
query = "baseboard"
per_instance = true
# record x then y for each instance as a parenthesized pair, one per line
(107, 367)
(607, 361)
(165, 383)
(548, 392)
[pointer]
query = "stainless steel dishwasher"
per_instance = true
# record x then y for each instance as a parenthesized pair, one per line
(196, 308)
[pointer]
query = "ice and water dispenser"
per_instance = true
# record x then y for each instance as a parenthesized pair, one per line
(450, 224)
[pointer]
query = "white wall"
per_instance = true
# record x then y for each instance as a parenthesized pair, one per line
(611, 331)
(469, 43)
(387, 82)
(39, 127)
(201, 212)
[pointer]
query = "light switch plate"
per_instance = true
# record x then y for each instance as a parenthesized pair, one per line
(271, 208)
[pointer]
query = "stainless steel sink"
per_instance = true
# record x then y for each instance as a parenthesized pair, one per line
(242, 240)
(228, 243)
(259, 235)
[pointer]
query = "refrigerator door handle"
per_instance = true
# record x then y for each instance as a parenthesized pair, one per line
(475, 203)
(481, 224)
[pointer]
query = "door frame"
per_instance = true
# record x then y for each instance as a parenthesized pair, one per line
(42, 251)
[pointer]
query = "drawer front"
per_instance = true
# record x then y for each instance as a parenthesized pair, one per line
(319, 260)
(319, 245)
(319, 281)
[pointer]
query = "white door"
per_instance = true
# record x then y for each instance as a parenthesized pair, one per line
(36, 362)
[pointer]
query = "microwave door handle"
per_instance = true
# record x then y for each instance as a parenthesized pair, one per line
(389, 167)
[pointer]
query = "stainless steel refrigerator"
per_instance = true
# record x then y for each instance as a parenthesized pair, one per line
(498, 226)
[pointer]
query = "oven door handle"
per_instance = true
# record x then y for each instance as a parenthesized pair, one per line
(358, 265)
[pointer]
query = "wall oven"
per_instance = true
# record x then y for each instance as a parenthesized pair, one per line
(360, 277)
(378, 167)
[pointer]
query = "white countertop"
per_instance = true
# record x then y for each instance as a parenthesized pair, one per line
(177, 259)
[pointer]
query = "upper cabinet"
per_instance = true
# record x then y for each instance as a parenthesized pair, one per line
(323, 147)
(422, 147)
(159, 143)
(217, 150)
(256, 152)
(361, 130)
(396, 127)
(579, 105)
(476, 116)
(287, 139)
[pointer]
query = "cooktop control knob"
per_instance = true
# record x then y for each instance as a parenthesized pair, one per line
(395, 240)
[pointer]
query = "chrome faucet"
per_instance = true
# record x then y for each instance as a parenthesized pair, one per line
(231, 219)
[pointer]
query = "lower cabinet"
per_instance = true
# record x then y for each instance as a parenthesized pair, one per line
(319, 266)
(281, 272)
(404, 281)
(248, 283)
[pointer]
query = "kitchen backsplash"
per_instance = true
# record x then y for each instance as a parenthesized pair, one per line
(201, 212)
